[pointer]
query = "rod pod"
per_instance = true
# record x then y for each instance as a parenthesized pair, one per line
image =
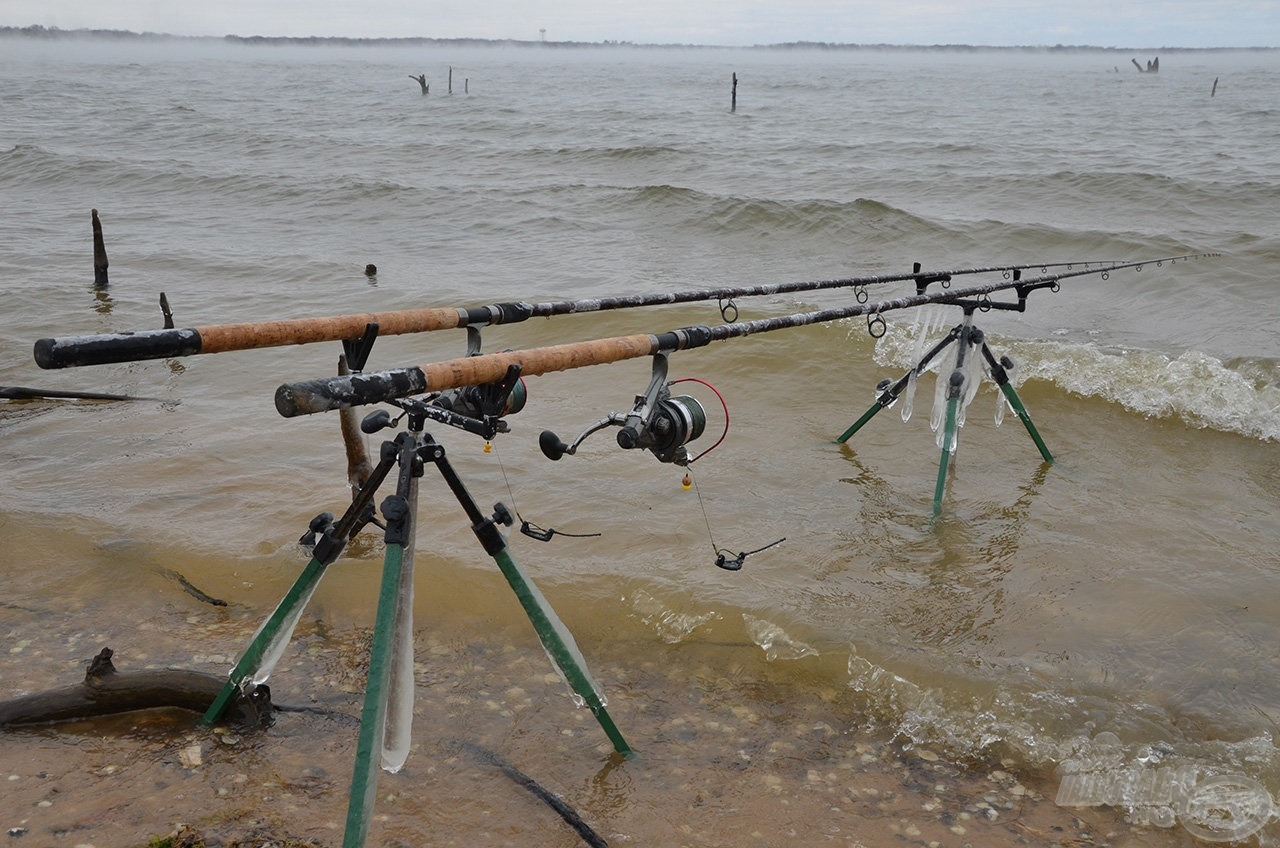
(969, 336)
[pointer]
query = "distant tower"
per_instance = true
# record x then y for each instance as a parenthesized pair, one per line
(543, 33)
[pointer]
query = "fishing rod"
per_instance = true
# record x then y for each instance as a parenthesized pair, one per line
(308, 397)
(102, 349)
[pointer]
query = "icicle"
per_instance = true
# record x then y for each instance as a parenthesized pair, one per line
(921, 328)
(972, 379)
(398, 731)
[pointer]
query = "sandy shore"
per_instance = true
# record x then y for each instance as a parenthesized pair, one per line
(726, 756)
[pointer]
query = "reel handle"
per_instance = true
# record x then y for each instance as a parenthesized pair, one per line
(552, 447)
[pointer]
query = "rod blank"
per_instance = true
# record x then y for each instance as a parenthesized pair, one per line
(218, 338)
(311, 396)
(161, 344)
(305, 398)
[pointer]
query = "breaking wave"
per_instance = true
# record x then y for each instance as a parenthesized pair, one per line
(1235, 396)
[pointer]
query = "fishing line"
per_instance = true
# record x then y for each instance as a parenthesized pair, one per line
(725, 558)
(528, 528)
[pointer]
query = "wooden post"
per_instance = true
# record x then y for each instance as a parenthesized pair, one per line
(466, 85)
(1215, 87)
(166, 311)
(451, 79)
(733, 99)
(99, 254)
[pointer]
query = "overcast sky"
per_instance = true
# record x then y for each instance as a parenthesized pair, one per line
(1104, 23)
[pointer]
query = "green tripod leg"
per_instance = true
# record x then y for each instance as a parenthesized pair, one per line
(890, 393)
(555, 637)
(1000, 373)
(955, 390)
(560, 645)
(858, 425)
(268, 644)
(280, 623)
(373, 716)
(948, 438)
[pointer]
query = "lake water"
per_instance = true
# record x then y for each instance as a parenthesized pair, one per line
(880, 676)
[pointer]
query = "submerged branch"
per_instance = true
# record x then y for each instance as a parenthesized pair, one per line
(105, 691)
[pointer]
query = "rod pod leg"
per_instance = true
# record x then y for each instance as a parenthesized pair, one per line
(274, 633)
(891, 393)
(1001, 376)
(373, 716)
(948, 439)
(955, 390)
(555, 637)
(858, 425)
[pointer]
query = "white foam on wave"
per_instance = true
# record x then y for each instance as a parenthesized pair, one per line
(776, 643)
(672, 625)
(1237, 397)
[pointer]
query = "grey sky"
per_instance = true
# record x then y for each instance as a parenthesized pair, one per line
(1104, 23)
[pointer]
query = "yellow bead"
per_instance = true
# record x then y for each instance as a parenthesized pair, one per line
(687, 482)
(488, 447)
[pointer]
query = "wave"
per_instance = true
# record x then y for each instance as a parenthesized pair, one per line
(1006, 712)
(33, 166)
(606, 155)
(737, 215)
(1239, 396)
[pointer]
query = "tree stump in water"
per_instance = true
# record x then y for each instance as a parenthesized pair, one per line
(99, 253)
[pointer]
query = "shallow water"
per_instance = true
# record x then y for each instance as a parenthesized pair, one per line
(1125, 589)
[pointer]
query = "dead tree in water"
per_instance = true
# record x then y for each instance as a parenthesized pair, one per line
(1153, 66)
(422, 81)
(733, 96)
(99, 254)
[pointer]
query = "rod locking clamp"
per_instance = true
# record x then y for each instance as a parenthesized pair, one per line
(396, 510)
(487, 531)
(502, 515)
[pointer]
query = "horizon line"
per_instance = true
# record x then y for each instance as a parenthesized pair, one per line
(40, 31)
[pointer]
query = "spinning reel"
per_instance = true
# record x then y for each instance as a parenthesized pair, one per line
(659, 422)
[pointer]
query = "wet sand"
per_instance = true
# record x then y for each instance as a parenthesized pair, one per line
(729, 753)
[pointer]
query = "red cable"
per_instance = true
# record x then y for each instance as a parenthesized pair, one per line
(723, 405)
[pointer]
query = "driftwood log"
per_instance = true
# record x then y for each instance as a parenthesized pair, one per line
(105, 691)
(25, 393)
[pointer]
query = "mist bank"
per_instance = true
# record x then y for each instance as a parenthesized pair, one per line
(55, 34)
